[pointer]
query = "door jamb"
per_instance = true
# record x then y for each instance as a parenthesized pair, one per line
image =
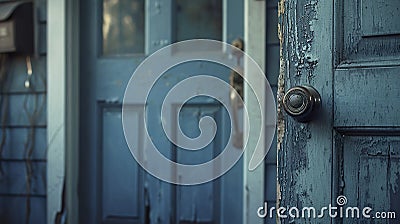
(255, 46)
(63, 108)
(72, 102)
(56, 33)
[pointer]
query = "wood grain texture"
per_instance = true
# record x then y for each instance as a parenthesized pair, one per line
(355, 69)
(367, 97)
(304, 150)
(368, 31)
(56, 78)
(370, 174)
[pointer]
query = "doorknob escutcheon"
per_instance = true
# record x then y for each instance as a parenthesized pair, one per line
(302, 103)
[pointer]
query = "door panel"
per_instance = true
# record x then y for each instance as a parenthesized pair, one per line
(205, 199)
(369, 31)
(371, 169)
(205, 203)
(377, 17)
(366, 88)
(120, 194)
(113, 188)
(367, 97)
(350, 52)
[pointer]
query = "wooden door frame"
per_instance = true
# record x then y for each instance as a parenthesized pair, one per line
(255, 46)
(56, 111)
(72, 101)
(63, 107)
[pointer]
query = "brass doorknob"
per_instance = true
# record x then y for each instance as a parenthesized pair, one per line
(302, 103)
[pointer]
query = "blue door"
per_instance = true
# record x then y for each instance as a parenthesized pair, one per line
(346, 156)
(116, 36)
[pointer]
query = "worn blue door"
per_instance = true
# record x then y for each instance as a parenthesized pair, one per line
(115, 37)
(348, 155)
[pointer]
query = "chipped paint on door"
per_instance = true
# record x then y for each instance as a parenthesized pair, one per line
(350, 148)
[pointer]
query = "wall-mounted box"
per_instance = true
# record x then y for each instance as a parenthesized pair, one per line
(16, 27)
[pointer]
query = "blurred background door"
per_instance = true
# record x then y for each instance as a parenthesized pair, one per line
(116, 36)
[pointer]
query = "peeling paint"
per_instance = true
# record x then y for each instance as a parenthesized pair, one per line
(366, 168)
(297, 65)
(280, 94)
(305, 61)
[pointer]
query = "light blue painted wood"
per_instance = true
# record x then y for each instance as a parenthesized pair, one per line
(253, 180)
(147, 199)
(370, 92)
(367, 118)
(363, 32)
(364, 161)
(56, 117)
(350, 149)
(305, 150)
(200, 203)
(72, 114)
(102, 84)
(158, 35)
(121, 178)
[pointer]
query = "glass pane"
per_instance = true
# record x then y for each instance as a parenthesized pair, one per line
(198, 19)
(123, 27)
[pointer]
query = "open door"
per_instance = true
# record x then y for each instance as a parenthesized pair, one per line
(345, 156)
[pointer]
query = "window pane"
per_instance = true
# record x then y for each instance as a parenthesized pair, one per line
(198, 19)
(123, 27)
